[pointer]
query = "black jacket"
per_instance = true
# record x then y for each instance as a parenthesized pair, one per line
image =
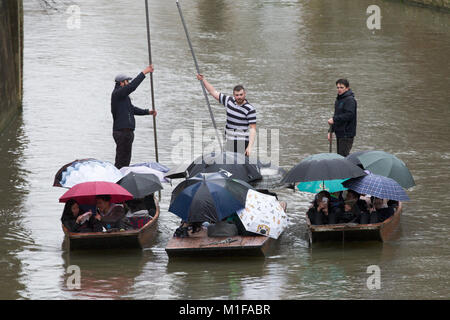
(345, 115)
(122, 109)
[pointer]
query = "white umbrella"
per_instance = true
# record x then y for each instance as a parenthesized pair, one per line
(143, 169)
(263, 214)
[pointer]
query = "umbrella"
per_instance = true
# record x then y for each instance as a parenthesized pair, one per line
(140, 185)
(271, 176)
(354, 157)
(85, 170)
(322, 156)
(208, 197)
(320, 170)
(153, 165)
(378, 186)
(263, 214)
(143, 169)
(85, 193)
(178, 172)
(387, 165)
(237, 164)
(317, 186)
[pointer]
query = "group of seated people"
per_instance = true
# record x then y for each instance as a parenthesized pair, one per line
(108, 216)
(329, 208)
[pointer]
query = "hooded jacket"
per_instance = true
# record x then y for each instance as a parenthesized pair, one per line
(345, 115)
(123, 111)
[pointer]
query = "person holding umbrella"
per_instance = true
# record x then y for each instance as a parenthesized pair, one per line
(343, 122)
(123, 112)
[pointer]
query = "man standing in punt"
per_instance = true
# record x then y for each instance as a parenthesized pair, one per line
(343, 123)
(240, 130)
(123, 112)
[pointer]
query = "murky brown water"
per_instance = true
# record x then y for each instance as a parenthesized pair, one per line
(288, 54)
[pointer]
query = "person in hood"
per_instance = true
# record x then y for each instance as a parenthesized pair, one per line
(123, 112)
(343, 122)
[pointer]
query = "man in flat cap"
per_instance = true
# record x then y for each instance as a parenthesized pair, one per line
(123, 112)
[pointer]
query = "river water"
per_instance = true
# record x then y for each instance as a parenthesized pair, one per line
(288, 54)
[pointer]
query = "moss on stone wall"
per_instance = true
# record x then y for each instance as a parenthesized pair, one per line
(11, 59)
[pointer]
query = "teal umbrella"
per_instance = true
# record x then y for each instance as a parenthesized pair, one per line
(387, 165)
(317, 186)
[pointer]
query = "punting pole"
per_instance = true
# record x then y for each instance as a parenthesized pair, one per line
(201, 82)
(151, 85)
(331, 139)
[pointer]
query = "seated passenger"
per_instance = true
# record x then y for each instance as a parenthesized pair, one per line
(111, 215)
(320, 212)
(77, 221)
(356, 207)
(383, 211)
(137, 214)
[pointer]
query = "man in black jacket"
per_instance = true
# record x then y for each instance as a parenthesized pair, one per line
(343, 123)
(123, 112)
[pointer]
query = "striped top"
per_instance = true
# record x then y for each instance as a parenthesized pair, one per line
(239, 117)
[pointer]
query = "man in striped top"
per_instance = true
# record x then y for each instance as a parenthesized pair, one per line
(240, 130)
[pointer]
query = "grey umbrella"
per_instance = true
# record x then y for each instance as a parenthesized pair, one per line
(140, 185)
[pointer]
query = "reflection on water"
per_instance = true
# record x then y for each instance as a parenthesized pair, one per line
(13, 191)
(288, 54)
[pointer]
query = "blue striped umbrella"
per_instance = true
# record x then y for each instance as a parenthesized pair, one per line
(377, 186)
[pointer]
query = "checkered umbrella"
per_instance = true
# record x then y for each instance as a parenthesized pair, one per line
(378, 186)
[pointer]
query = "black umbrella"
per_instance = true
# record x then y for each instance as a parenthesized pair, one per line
(140, 185)
(235, 163)
(325, 169)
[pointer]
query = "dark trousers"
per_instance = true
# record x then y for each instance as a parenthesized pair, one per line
(344, 145)
(237, 146)
(124, 142)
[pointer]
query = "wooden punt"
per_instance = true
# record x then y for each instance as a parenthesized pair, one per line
(137, 238)
(382, 231)
(199, 244)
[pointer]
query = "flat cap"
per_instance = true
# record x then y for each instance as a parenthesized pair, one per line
(122, 77)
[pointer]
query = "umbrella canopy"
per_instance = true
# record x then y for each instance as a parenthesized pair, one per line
(354, 157)
(85, 170)
(263, 214)
(378, 186)
(387, 165)
(316, 186)
(322, 156)
(320, 170)
(237, 164)
(271, 176)
(143, 169)
(85, 193)
(178, 172)
(140, 185)
(208, 197)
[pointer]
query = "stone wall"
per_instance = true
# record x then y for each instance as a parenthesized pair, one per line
(11, 59)
(437, 4)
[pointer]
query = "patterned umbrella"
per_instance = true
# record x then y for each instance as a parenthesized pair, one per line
(85, 170)
(378, 186)
(263, 214)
